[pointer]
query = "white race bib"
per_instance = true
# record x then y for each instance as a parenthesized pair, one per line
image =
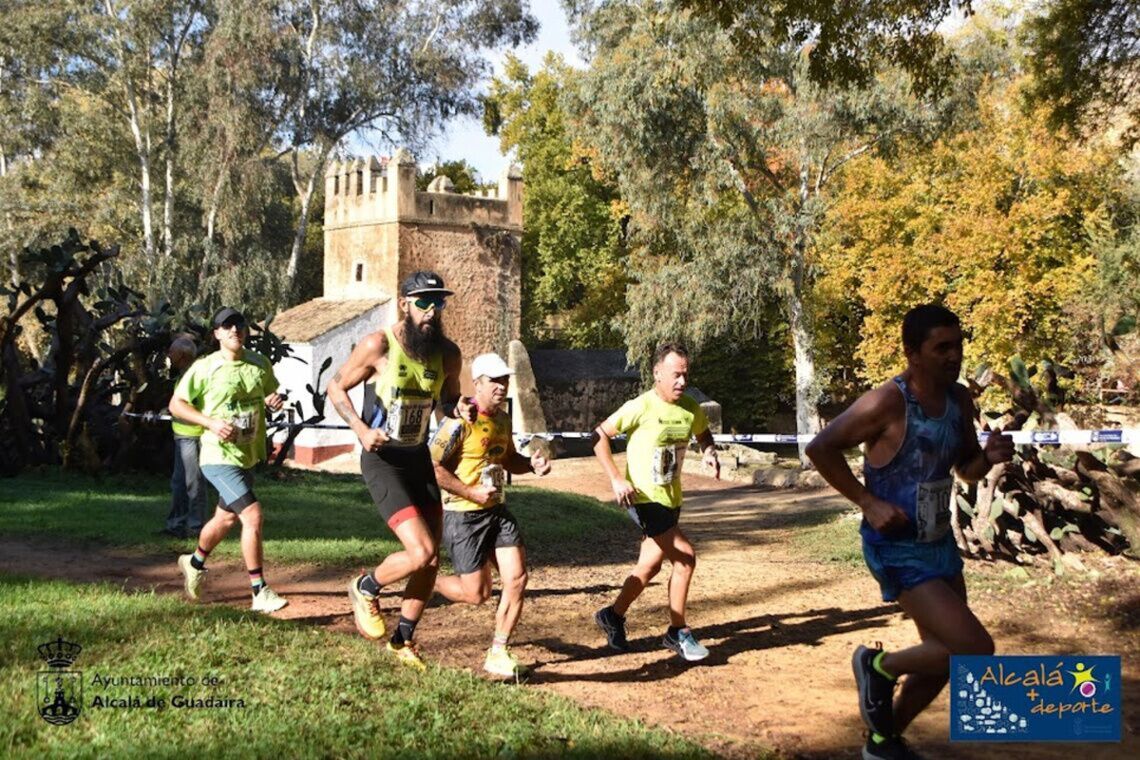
(245, 423)
(407, 421)
(932, 509)
(664, 465)
(494, 476)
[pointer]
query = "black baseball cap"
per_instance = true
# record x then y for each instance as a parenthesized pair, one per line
(419, 283)
(226, 315)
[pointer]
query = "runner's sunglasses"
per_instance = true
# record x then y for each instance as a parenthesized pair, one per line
(426, 303)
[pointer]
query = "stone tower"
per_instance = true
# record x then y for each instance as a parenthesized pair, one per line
(378, 229)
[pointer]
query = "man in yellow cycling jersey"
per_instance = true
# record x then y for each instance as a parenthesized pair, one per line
(414, 368)
(471, 461)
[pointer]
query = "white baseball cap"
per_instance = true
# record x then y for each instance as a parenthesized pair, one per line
(490, 365)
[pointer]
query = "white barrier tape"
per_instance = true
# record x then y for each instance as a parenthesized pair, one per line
(1020, 437)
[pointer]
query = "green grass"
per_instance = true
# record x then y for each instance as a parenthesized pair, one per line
(307, 692)
(313, 518)
(836, 540)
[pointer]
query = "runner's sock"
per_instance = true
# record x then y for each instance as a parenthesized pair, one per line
(876, 664)
(500, 640)
(368, 585)
(256, 581)
(198, 561)
(405, 631)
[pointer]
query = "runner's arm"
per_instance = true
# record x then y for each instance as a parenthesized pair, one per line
(862, 422)
(361, 365)
(708, 449)
(446, 448)
(517, 464)
(452, 402)
(186, 412)
(447, 480)
(623, 490)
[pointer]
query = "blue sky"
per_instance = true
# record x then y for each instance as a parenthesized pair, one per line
(464, 138)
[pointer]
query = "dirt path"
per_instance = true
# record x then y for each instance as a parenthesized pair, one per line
(781, 628)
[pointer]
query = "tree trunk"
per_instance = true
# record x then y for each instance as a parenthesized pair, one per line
(305, 193)
(141, 137)
(168, 204)
(807, 407)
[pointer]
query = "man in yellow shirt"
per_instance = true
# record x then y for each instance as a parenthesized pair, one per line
(659, 424)
(471, 461)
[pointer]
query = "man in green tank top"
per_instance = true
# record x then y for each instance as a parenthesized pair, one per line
(415, 371)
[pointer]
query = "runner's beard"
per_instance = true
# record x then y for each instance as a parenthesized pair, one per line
(424, 341)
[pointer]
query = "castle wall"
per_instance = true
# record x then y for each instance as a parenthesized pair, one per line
(378, 229)
(482, 266)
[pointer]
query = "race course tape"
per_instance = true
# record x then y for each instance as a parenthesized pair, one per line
(1021, 437)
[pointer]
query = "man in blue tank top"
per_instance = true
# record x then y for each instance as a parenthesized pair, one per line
(915, 429)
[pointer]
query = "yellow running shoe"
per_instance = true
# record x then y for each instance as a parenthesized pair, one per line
(408, 654)
(365, 611)
(501, 662)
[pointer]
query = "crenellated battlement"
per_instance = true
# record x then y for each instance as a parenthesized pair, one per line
(383, 190)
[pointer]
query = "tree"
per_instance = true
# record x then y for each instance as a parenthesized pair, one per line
(393, 69)
(573, 243)
(1086, 62)
(851, 40)
(464, 178)
(996, 222)
(726, 161)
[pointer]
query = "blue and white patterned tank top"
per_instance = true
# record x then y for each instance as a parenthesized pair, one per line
(918, 478)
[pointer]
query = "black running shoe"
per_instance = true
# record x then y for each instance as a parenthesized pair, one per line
(891, 748)
(875, 692)
(613, 625)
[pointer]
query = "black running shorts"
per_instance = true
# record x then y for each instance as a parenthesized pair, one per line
(402, 484)
(653, 518)
(472, 537)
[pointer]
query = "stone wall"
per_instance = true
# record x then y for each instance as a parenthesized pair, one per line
(482, 266)
(378, 229)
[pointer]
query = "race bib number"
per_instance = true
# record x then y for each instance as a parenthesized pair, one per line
(932, 509)
(407, 421)
(664, 465)
(245, 423)
(494, 476)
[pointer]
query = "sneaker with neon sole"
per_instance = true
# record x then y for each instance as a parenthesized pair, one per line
(407, 654)
(365, 611)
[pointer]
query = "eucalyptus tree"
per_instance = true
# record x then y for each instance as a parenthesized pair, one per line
(726, 161)
(390, 69)
(1086, 62)
(573, 267)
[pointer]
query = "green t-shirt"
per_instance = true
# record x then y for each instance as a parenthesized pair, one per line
(184, 429)
(659, 434)
(233, 391)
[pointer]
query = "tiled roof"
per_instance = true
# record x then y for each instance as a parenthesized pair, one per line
(310, 320)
